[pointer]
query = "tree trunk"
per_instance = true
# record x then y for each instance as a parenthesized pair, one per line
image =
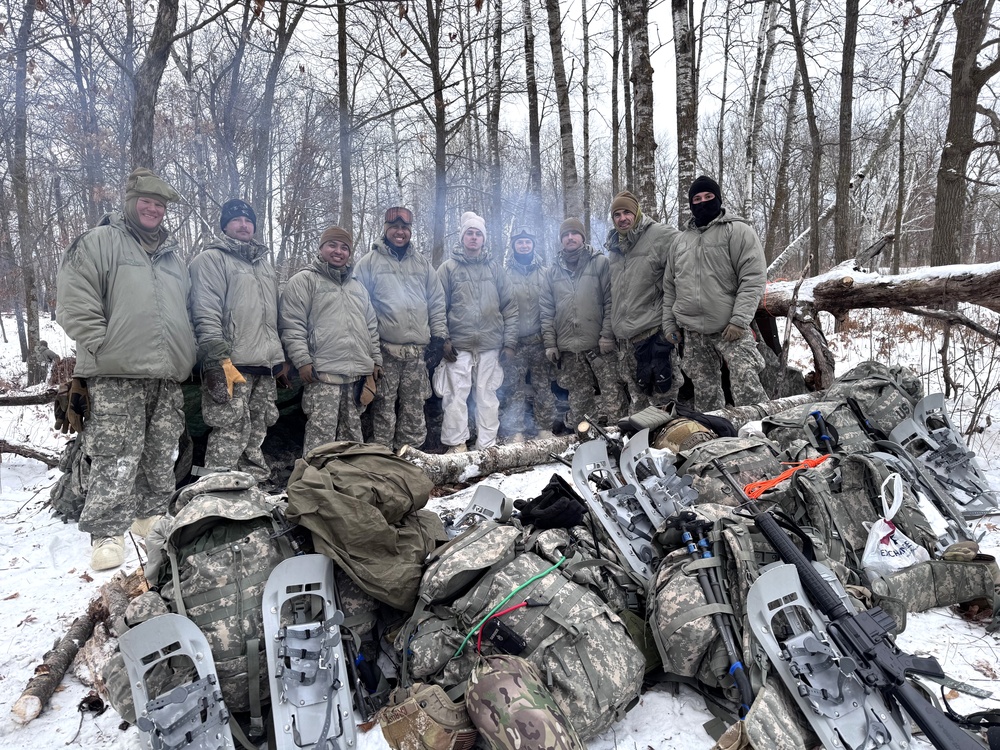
(777, 220)
(687, 103)
(843, 234)
(49, 459)
(637, 20)
(616, 146)
(147, 84)
(493, 126)
(720, 130)
(815, 164)
(897, 246)
(585, 23)
(533, 198)
(758, 93)
(572, 203)
(630, 179)
(968, 76)
(344, 109)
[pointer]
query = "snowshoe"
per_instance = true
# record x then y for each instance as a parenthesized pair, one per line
(192, 715)
(310, 689)
(662, 492)
(487, 504)
(842, 710)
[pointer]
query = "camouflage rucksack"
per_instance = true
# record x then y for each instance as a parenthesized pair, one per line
(487, 590)
(748, 459)
(881, 395)
(513, 710)
(816, 429)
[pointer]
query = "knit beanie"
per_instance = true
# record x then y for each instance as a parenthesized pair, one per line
(142, 183)
(338, 234)
(704, 184)
(234, 209)
(625, 200)
(471, 220)
(572, 225)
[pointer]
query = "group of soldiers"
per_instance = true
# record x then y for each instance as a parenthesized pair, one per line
(367, 333)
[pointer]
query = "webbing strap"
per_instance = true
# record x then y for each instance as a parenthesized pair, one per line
(214, 595)
(237, 730)
(705, 610)
(253, 675)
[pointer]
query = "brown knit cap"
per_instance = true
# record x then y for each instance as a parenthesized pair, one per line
(338, 234)
(142, 183)
(572, 225)
(625, 200)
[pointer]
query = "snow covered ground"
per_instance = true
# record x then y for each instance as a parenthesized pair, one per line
(45, 582)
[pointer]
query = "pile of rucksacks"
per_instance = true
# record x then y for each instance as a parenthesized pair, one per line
(273, 620)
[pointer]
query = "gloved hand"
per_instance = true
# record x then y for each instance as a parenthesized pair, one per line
(506, 355)
(733, 333)
(61, 409)
(607, 346)
(79, 404)
(378, 372)
(215, 383)
(233, 376)
(673, 337)
(552, 355)
(434, 352)
(449, 353)
(306, 373)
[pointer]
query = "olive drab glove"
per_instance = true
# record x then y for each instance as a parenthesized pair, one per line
(733, 333)
(79, 404)
(448, 352)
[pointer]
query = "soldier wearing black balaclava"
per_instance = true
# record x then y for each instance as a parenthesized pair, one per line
(712, 284)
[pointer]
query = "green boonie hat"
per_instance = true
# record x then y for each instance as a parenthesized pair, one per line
(142, 183)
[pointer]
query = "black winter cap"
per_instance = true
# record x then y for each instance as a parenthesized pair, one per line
(704, 184)
(234, 209)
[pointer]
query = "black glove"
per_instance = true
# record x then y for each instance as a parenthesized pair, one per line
(557, 507)
(652, 364)
(449, 353)
(434, 352)
(215, 384)
(79, 404)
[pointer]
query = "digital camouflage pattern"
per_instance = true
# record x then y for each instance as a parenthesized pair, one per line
(529, 359)
(635, 398)
(593, 385)
(239, 426)
(774, 721)
(70, 491)
(423, 717)
(797, 430)
(398, 409)
(702, 362)
(513, 710)
(885, 394)
(748, 459)
(358, 607)
(131, 439)
(332, 413)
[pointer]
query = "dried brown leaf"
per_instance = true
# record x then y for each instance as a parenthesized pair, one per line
(12, 596)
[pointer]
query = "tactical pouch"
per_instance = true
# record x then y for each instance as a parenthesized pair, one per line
(423, 716)
(936, 583)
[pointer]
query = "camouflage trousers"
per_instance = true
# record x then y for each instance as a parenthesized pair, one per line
(332, 414)
(398, 409)
(594, 389)
(529, 360)
(239, 426)
(702, 363)
(131, 441)
(637, 398)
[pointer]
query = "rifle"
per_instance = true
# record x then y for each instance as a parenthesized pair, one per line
(863, 638)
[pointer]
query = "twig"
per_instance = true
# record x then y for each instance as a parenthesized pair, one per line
(953, 317)
(45, 457)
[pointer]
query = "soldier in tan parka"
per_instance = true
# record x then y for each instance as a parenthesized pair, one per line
(330, 333)
(234, 307)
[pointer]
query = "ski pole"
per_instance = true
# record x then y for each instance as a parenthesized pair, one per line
(685, 521)
(824, 433)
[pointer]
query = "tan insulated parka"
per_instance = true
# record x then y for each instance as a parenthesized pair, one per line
(482, 310)
(715, 276)
(234, 304)
(127, 310)
(526, 281)
(406, 294)
(326, 319)
(576, 305)
(637, 263)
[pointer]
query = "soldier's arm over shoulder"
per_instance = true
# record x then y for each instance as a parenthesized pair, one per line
(82, 288)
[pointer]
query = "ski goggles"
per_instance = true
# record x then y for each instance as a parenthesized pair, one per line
(398, 215)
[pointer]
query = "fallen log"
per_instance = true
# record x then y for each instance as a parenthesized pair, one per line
(49, 459)
(106, 608)
(462, 467)
(29, 399)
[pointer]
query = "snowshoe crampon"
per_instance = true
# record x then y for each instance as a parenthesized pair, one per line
(842, 710)
(310, 690)
(190, 716)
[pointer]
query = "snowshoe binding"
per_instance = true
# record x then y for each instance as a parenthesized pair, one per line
(661, 491)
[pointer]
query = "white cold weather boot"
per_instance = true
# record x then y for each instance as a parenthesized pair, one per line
(141, 526)
(460, 448)
(107, 553)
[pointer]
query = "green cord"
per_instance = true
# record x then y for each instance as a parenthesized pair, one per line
(504, 601)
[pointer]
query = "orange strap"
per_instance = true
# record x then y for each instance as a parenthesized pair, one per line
(755, 489)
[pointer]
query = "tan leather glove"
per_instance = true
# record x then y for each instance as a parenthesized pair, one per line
(233, 376)
(733, 333)
(79, 404)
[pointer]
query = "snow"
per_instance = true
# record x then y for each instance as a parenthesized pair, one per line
(45, 581)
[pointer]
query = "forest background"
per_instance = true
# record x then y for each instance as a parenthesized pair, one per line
(828, 123)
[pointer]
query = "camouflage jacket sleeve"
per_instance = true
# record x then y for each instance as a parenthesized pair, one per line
(293, 318)
(82, 287)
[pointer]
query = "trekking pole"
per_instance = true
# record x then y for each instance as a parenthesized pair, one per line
(684, 522)
(824, 432)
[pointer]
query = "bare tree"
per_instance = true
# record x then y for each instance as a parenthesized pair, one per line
(572, 203)
(843, 234)
(687, 101)
(637, 28)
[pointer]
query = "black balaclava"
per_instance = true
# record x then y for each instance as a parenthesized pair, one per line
(705, 212)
